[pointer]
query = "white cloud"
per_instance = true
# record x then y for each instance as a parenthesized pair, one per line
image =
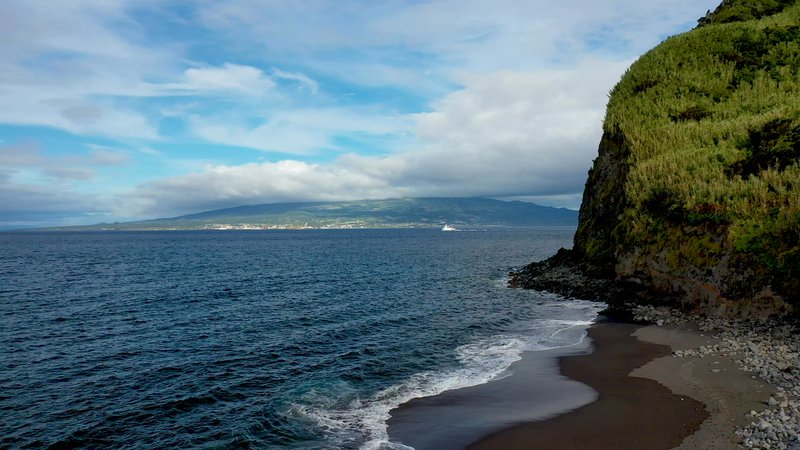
(32, 205)
(60, 58)
(27, 161)
(220, 186)
(533, 126)
(68, 34)
(300, 131)
(504, 134)
(302, 79)
(149, 151)
(107, 157)
(36, 190)
(19, 156)
(83, 116)
(515, 108)
(229, 77)
(272, 136)
(448, 36)
(68, 173)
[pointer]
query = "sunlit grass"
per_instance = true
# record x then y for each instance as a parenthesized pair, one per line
(712, 122)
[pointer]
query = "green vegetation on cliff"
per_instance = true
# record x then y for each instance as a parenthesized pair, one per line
(704, 132)
(743, 10)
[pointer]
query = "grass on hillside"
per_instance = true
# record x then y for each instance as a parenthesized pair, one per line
(712, 121)
(743, 10)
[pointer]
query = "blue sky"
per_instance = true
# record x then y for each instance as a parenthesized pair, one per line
(121, 110)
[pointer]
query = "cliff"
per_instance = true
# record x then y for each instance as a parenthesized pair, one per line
(695, 194)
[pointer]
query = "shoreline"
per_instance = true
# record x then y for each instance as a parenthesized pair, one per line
(705, 400)
(728, 392)
(623, 416)
(532, 389)
(682, 382)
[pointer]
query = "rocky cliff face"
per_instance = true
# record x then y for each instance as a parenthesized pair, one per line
(604, 203)
(695, 194)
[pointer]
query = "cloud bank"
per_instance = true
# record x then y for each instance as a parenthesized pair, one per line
(115, 110)
(503, 134)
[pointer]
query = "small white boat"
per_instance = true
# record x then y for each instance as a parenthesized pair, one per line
(447, 227)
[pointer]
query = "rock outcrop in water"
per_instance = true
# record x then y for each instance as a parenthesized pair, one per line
(694, 198)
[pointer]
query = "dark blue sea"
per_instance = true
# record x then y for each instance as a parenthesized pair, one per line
(258, 339)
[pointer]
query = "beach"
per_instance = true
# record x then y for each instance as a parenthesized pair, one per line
(533, 389)
(648, 399)
(650, 387)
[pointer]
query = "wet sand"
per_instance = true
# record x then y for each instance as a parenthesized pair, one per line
(620, 389)
(647, 398)
(532, 389)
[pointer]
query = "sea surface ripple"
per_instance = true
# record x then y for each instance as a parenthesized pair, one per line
(276, 339)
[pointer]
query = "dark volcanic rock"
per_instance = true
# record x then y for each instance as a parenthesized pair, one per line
(603, 203)
(568, 274)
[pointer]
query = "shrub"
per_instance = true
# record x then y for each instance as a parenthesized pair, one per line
(711, 121)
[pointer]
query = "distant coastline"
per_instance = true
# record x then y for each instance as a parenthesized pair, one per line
(462, 213)
(248, 227)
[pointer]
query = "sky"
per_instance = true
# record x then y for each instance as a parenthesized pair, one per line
(115, 110)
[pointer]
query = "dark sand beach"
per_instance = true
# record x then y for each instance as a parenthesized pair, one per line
(647, 398)
(630, 413)
(532, 390)
(635, 395)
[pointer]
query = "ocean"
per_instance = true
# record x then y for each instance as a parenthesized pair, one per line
(304, 339)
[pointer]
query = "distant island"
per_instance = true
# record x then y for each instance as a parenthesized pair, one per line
(463, 213)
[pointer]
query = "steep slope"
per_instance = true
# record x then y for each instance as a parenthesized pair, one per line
(695, 194)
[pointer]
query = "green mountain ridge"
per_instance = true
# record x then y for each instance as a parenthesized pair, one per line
(389, 213)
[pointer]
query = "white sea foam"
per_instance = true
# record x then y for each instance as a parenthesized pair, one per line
(481, 361)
